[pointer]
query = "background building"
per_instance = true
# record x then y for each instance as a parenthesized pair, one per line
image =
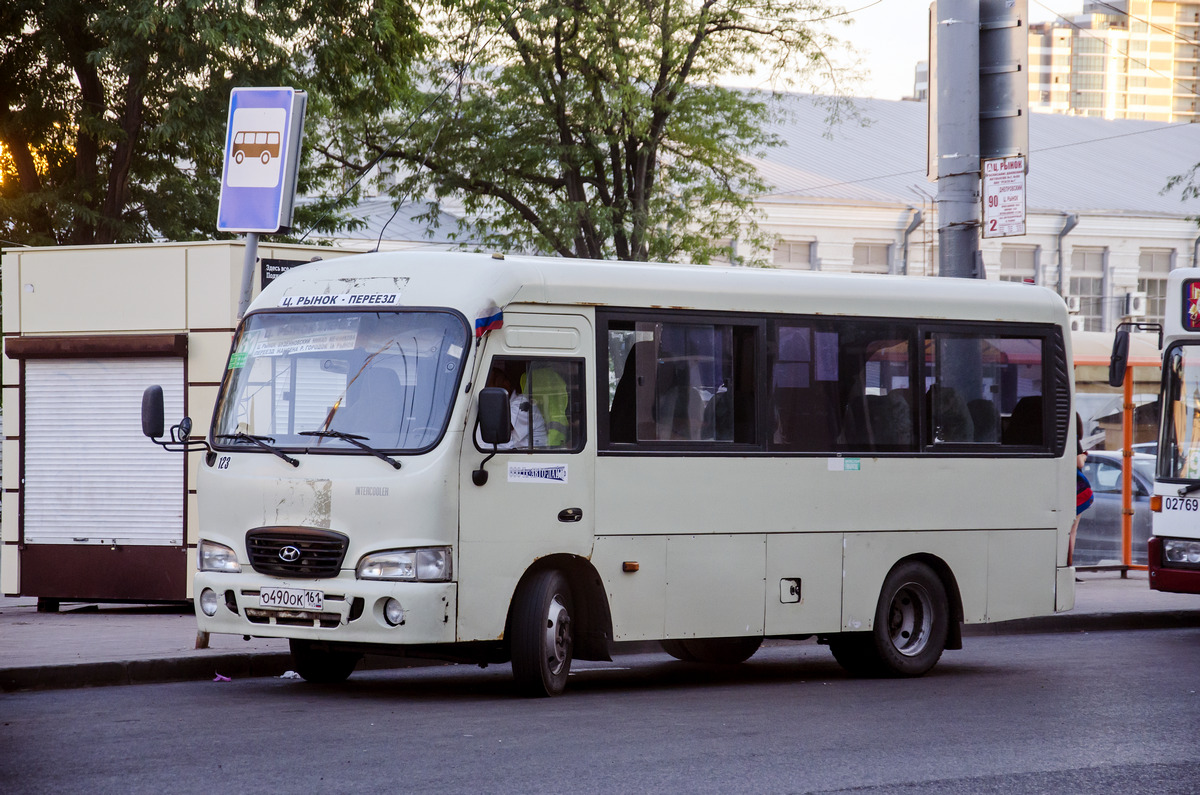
(1119, 59)
(1101, 230)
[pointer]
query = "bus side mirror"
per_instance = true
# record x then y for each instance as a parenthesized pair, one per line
(152, 412)
(1119, 360)
(495, 424)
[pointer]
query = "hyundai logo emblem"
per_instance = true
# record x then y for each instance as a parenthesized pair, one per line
(289, 554)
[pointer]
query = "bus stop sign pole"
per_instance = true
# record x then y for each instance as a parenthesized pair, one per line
(258, 180)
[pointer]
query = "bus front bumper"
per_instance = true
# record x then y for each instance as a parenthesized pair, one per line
(1166, 577)
(342, 609)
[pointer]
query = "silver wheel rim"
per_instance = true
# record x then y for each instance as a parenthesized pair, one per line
(557, 641)
(910, 619)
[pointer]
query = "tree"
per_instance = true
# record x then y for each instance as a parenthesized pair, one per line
(113, 112)
(596, 128)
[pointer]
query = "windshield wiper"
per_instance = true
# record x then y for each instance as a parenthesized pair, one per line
(1186, 490)
(356, 440)
(261, 441)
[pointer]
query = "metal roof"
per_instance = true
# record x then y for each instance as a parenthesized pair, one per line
(1076, 163)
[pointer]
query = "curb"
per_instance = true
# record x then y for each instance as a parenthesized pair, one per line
(273, 664)
(1088, 622)
(130, 672)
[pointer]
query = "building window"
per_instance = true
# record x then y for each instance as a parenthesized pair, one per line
(1018, 264)
(794, 255)
(1153, 267)
(871, 258)
(1087, 283)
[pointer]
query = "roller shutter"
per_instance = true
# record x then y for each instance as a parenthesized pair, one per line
(91, 477)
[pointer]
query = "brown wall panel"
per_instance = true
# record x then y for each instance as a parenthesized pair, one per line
(83, 572)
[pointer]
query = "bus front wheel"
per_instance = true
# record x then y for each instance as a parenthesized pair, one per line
(542, 634)
(322, 666)
(912, 622)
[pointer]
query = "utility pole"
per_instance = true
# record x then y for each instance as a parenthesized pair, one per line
(979, 99)
(956, 39)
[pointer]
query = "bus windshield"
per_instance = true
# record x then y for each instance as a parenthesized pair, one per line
(324, 381)
(1179, 451)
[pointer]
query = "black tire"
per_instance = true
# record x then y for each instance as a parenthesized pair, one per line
(542, 634)
(714, 651)
(852, 650)
(321, 666)
(912, 622)
(678, 649)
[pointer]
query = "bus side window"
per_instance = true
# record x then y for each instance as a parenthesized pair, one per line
(841, 386)
(984, 390)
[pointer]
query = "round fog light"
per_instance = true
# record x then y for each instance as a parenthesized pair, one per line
(208, 601)
(393, 612)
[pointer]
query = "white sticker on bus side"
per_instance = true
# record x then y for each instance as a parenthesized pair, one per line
(536, 473)
(844, 464)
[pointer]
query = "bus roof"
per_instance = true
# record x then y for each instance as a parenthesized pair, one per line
(473, 283)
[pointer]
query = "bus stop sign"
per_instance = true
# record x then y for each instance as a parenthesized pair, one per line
(262, 154)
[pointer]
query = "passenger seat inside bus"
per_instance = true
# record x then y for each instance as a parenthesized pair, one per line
(622, 414)
(373, 406)
(1024, 425)
(949, 419)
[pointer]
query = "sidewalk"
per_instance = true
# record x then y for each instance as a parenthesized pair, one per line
(89, 645)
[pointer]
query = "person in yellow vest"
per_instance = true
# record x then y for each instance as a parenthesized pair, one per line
(549, 392)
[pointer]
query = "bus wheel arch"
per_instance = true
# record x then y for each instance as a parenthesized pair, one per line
(917, 617)
(591, 619)
(953, 597)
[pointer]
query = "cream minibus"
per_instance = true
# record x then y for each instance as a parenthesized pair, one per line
(491, 458)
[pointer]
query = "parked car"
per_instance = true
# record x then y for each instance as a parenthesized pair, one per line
(1098, 539)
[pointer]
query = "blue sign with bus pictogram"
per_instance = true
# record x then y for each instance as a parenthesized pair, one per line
(262, 153)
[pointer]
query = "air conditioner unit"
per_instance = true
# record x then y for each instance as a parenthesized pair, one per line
(1134, 305)
(1078, 323)
(1072, 304)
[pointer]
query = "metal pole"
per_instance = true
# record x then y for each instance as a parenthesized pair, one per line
(917, 218)
(958, 137)
(248, 273)
(1127, 472)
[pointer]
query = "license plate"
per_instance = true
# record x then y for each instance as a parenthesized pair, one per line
(291, 598)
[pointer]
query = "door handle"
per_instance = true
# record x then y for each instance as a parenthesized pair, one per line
(570, 514)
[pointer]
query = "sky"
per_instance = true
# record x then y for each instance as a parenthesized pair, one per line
(892, 35)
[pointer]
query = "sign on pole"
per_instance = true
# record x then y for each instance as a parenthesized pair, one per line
(262, 154)
(1004, 197)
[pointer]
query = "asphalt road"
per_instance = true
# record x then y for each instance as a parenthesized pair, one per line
(1067, 713)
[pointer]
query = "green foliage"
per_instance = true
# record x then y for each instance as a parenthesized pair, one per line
(113, 112)
(1188, 185)
(596, 128)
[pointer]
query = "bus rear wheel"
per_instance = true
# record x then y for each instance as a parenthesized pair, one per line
(912, 622)
(542, 634)
(322, 666)
(715, 651)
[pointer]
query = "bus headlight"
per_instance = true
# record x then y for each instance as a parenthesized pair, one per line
(212, 556)
(1181, 551)
(430, 564)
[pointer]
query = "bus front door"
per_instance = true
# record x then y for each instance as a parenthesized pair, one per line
(538, 498)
